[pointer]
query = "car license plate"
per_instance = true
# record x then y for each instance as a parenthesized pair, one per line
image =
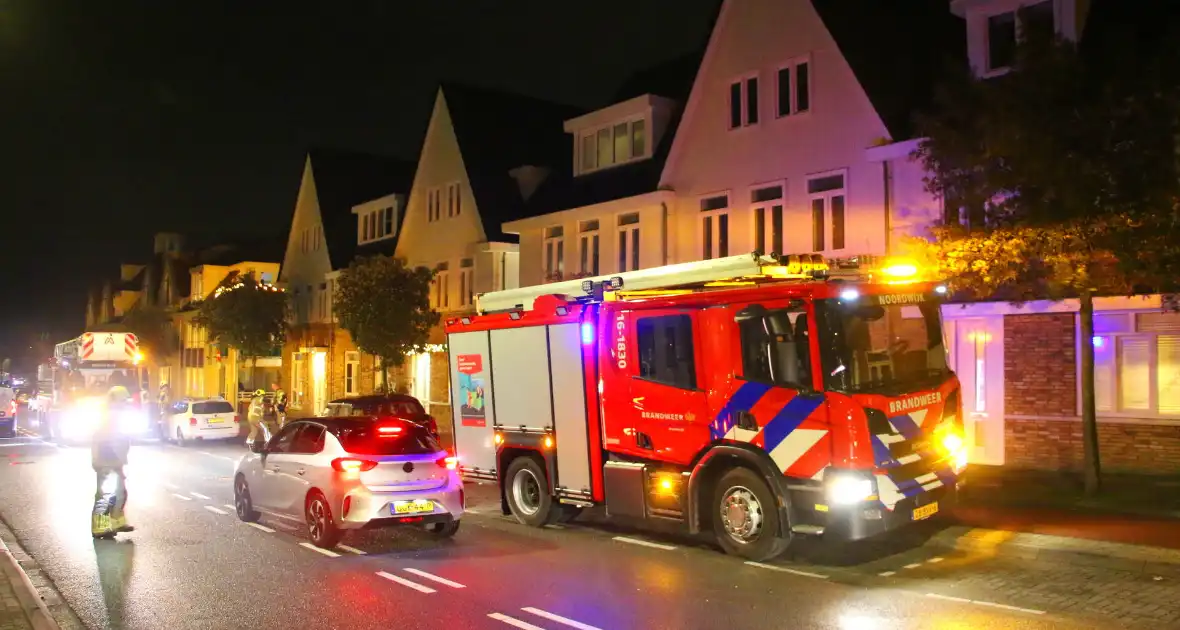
(213, 420)
(926, 511)
(411, 507)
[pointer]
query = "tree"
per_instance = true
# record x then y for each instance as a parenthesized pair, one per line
(1060, 181)
(385, 306)
(153, 326)
(246, 315)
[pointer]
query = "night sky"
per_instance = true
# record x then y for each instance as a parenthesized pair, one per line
(124, 118)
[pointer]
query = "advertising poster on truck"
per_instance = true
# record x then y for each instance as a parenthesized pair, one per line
(471, 390)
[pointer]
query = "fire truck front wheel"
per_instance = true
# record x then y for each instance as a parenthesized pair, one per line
(745, 519)
(528, 493)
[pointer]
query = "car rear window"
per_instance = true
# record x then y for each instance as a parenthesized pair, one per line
(220, 406)
(366, 438)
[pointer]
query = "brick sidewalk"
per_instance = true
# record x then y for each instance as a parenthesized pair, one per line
(12, 616)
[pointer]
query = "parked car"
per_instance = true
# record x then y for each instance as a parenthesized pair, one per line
(384, 406)
(342, 473)
(201, 419)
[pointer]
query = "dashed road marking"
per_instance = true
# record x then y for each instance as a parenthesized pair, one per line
(555, 526)
(935, 560)
(513, 621)
(262, 527)
(216, 510)
(887, 573)
(200, 496)
(326, 552)
(786, 570)
(182, 497)
(228, 506)
(352, 550)
(644, 543)
(407, 583)
(171, 486)
(1031, 611)
(230, 459)
(559, 619)
(912, 566)
(435, 578)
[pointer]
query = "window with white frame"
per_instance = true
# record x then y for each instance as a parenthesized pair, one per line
(629, 242)
(1137, 363)
(793, 95)
(323, 299)
(588, 247)
(715, 226)
(617, 143)
(433, 204)
(376, 224)
(329, 299)
(768, 218)
(827, 196)
(743, 102)
(442, 293)
(554, 251)
(466, 282)
(454, 200)
(317, 236)
(198, 286)
(352, 371)
(304, 239)
(298, 379)
(1005, 29)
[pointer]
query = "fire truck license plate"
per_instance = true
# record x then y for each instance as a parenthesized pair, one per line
(926, 511)
(412, 507)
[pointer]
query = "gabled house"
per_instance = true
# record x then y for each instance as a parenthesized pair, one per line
(604, 210)
(348, 205)
(485, 154)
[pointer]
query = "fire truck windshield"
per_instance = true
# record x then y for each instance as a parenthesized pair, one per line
(874, 345)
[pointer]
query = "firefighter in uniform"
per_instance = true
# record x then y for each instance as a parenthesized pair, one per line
(256, 415)
(280, 405)
(108, 456)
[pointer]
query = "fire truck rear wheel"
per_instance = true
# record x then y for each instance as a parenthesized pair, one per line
(527, 491)
(745, 517)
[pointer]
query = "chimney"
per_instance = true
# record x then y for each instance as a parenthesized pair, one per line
(168, 243)
(528, 178)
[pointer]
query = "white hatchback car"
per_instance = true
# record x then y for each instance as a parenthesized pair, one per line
(342, 473)
(204, 419)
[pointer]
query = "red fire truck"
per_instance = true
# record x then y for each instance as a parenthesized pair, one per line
(757, 396)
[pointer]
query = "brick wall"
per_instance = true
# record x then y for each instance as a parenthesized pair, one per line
(1040, 369)
(1057, 445)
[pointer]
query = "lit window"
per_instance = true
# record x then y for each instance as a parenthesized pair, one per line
(588, 248)
(554, 251)
(629, 242)
(715, 227)
(827, 198)
(768, 219)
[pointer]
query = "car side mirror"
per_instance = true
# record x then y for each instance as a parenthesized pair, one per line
(753, 311)
(258, 446)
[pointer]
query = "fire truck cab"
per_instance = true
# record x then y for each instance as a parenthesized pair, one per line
(755, 396)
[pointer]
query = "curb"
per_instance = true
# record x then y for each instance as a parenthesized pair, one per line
(1140, 559)
(34, 607)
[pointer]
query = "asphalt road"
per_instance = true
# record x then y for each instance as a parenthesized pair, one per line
(192, 564)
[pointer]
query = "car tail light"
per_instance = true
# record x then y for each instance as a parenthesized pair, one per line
(237, 419)
(347, 505)
(388, 431)
(192, 422)
(349, 464)
(450, 463)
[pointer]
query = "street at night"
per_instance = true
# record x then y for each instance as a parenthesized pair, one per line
(191, 563)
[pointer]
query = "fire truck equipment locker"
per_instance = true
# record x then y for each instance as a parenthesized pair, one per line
(474, 403)
(569, 409)
(521, 376)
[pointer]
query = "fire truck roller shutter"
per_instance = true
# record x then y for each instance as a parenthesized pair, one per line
(569, 409)
(473, 412)
(520, 372)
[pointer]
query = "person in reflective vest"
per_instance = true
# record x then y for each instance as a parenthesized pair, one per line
(108, 456)
(255, 415)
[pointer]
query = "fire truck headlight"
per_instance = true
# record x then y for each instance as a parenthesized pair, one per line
(847, 488)
(849, 295)
(952, 442)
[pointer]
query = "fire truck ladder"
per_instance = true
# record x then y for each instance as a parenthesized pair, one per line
(732, 269)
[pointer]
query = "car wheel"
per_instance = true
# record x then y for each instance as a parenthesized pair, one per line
(443, 530)
(528, 494)
(243, 505)
(746, 517)
(180, 437)
(321, 528)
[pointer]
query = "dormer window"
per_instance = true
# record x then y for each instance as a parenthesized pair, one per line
(376, 224)
(1005, 29)
(613, 144)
